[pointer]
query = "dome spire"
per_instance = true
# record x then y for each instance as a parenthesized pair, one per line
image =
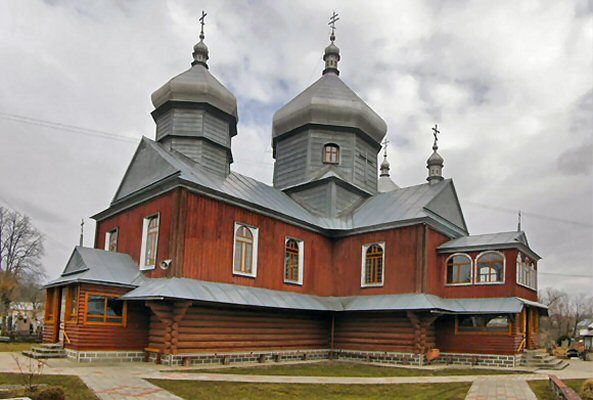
(435, 162)
(332, 52)
(385, 164)
(200, 53)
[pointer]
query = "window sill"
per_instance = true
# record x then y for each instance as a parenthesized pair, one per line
(458, 284)
(245, 274)
(371, 285)
(297, 283)
(147, 268)
(495, 333)
(489, 283)
(527, 287)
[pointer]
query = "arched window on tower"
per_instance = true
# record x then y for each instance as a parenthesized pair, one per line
(490, 268)
(331, 153)
(459, 269)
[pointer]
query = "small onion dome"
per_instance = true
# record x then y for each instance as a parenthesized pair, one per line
(200, 54)
(435, 159)
(385, 167)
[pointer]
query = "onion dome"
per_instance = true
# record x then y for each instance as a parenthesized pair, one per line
(329, 101)
(197, 85)
(435, 162)
(385, 183)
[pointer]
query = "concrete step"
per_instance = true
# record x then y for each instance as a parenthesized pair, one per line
(51, 345)
(41, 356)
(42, 350)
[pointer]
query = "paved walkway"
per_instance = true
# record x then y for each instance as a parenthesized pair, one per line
(127, 381)
(500, 389)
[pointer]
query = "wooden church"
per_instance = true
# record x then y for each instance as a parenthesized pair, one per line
(195, 263)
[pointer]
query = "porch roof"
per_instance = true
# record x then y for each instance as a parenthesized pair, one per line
(225, 293)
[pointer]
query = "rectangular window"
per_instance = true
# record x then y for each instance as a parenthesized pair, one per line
(373, 264)
(150, 239)
(104, 309)
(483, 323)
(245, 250)
(526, 273)
(111, 240)
(72, 304)
(293, 260)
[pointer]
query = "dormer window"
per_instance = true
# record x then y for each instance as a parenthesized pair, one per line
(331, 154)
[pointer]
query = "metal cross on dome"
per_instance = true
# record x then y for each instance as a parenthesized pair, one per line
(385, 143)
(332, 21)
(202, 22)
(435, 132)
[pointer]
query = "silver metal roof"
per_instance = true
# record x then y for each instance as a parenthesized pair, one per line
(329, 101)
(225, 293)
(155, 163)
(488, 241)
(99, 266)
(197, 85)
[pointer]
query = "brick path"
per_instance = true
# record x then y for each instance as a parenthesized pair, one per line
(500, 389)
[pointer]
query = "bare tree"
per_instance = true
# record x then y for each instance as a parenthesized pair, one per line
(21, 248)
(580, 309)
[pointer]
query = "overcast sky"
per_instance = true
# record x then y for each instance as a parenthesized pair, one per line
(510, 84)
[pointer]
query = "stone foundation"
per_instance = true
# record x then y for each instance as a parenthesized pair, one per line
(380, 357)
(243, 357)
(89, 356)
(481, 360)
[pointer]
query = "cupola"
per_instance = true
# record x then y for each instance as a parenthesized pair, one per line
(435, 162)
(196, 115)
(326, 134)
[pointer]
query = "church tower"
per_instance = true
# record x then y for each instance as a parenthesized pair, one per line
(325, 143)
(196, 115)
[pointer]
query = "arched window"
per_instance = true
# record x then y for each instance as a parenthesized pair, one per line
(150, 238)
(459, 269)
(373, 259)
(331, 154)
(490, 268)
(293, 261)
(245, 250)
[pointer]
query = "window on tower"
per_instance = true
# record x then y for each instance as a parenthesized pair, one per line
(373, 259)
(331, 154)
(245, 250)
(490, 268)
(459, 269)
(111, 240)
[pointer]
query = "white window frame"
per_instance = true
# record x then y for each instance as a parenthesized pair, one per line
(365, 247)
(108, 237)
(301, 246)
(142, 265)
(504, 269)
(529, 269)
(471, 271)
(255, 233)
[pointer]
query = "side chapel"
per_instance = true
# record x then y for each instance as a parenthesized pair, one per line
(196, 263)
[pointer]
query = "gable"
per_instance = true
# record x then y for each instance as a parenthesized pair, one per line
(446, 205)
(75, 264)
(147, 167)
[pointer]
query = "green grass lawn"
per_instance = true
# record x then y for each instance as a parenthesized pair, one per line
(543, 392)
(14, 346)
(339, 368)
(73, 387)
(194, 390)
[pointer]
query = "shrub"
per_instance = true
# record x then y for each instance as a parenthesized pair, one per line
(587, 390)
(52, 393)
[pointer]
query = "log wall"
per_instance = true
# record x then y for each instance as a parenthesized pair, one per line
(386, 331)
(132, 336)
(213, 329)
(479, 343)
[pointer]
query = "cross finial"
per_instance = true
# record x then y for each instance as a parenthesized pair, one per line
(435, 132)
(202, 22)
(332, 23)
(385, 143)
(81, 231)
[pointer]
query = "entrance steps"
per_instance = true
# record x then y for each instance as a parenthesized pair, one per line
(45, 351)
(540, 359)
